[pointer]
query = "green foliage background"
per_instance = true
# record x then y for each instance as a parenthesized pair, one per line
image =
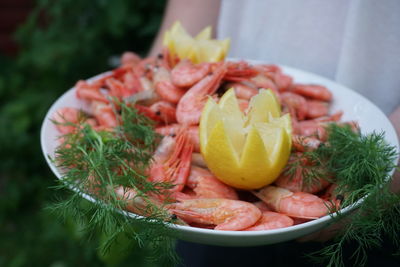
(61, 42)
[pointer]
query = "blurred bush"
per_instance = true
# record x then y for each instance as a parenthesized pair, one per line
(61, 42)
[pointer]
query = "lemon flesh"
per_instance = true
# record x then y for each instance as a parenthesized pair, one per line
(198, 49)
(246, 152)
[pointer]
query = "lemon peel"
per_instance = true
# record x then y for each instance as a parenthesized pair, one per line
(245, 151)
(198, 49)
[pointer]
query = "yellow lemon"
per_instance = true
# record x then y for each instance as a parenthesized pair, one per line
(199, 49)
(245, 151)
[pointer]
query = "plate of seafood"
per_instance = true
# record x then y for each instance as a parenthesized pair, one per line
(210, 195)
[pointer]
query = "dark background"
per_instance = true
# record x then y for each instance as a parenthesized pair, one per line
(45, 47)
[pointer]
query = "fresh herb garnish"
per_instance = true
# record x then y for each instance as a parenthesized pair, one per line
(361, 165)
(95, 164)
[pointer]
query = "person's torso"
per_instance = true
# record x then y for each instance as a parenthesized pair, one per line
(355, 42)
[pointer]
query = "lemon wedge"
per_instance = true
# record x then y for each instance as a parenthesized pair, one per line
(245, 151)
(198, 49)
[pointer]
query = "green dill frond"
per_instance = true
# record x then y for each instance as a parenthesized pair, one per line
(95, 164)
(362, 166)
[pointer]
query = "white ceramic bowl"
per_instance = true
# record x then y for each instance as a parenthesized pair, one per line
(355, 107)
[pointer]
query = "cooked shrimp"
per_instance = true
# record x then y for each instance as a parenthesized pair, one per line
(242, 91)
(268, 68)
(298, 204)
(205, 185)
(239, 71)
(331, 118)
(271, 220)
(89, 92)
(295, 104)
(305, 143)
(312, 128)
(165, 110)
(118, 89)
(134, 202)
(282, 81)
(168, 59)
(173, 129)
(262, 81)
(172, 161)
(164, 86)
(318, 92)
(295, 182)
(225, 214)
(104, 114)
(317, 108)
(161, 111)
(333, 196)
(317, 126)
(130, 58)
(132, 82)
(262, 206)
(190, 106)
(64, 116)
(186, 74)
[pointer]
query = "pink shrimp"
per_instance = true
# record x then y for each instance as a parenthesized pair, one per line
(239, 71)
(313, 91)
(268, 68)
(312, 128)
(161, 111)
(242, 91)
(262, 81)
(132, 82)
(89, 92)
(205, 185)
(164, 86)
(335, 117)
(295, 104)
(333, 196)
(134, 202)
(67, 119)
(305, 143)
(192, 131)
(168, 59)
(190, 106)
(262, 206)
(165, 110)
(186, 74)
(104, 114)
(129, 58)
(172, 161)
(118, 89)
(282, 81)
(274, 77)
(295, 182)
(271, 220)
(317, 109)
(317, 127)
(64, 116)
(225, 214)
(298, 204)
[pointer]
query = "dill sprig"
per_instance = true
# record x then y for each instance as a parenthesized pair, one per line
(94, 164)
(362, 165)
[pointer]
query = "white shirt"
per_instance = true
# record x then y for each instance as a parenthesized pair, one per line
(354, 42)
